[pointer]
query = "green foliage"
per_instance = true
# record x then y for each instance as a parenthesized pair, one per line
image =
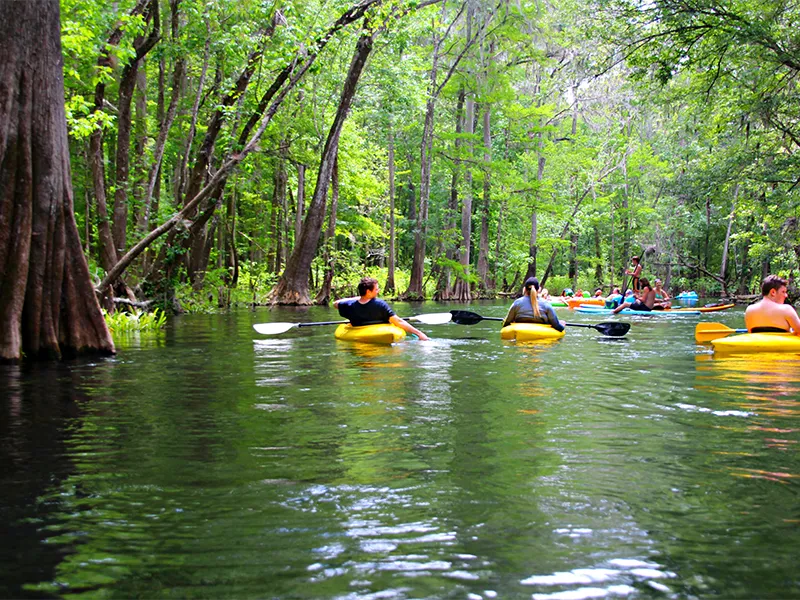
(135, 321)
(656, 151)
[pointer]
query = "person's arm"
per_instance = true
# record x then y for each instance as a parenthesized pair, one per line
(336, 303)
(552, 318)
(748, 318)
(794, 320)
(512, 314)
(395, 320)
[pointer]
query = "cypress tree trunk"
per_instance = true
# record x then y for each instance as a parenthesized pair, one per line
(47, 305)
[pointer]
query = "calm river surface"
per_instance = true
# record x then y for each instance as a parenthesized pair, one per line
(212, 462)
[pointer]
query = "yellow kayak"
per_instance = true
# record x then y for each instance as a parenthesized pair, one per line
(528, 332)
(758, 342)
(383, 333)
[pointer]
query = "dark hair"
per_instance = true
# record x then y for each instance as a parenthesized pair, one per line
(772, 282)
(636, 258)
(643, 283)
(366, 283)
(532, 282)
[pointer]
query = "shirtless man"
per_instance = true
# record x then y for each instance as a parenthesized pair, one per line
(770, 313)
(644, 302)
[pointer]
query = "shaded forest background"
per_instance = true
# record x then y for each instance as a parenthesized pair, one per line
(234, 151)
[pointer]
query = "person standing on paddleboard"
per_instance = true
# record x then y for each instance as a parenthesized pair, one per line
(770, 314)
(368, 309)
(529, 309)
(635, 271)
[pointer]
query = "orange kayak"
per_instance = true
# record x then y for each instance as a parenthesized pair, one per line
(576, 302)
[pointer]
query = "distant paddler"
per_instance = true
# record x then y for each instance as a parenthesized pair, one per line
(368, 309)
(529, 309)
(663, 301)
(770, 314)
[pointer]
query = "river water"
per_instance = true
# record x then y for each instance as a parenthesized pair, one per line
(211, 462)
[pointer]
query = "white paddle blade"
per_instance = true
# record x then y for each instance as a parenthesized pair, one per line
(432, 318)
(273, 328)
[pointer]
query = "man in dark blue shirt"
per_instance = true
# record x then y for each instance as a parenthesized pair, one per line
(368, 309)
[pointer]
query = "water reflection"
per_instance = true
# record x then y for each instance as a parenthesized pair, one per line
(217, 465)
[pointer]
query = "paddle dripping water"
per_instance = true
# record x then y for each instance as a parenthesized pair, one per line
(212, 461)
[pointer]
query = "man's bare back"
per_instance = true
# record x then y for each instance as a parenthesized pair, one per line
(771, 311)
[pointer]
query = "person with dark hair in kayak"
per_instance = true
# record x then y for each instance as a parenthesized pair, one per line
(529, 309)
(635, 271)
(368, 309)
(645, 301)
(770, 314)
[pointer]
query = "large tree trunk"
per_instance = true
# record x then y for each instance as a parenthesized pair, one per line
(47, 306)
(293, 285)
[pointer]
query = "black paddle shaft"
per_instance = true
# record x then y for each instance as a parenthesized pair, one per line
(614, 329)
(609, 328)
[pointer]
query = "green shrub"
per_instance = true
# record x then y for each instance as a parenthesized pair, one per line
(135, 321)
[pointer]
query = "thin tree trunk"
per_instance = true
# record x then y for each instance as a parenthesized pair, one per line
(183, 174)
(293, 285)
(389, 288)
(415, 286)
(47, 306)
(301, 199)
(724, 263)
(324, 295)
(166, 124)
(573, 259)
(127, 86)
(282, 211)
(575, 209)
(483, 251)
(462, 289)
(445, 288)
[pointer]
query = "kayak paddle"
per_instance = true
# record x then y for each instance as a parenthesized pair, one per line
(615, 329)
(705, 332)
(278, 328)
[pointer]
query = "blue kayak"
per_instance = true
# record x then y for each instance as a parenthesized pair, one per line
(596, 310)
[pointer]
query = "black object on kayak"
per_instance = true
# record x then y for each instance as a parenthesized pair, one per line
(614, 329)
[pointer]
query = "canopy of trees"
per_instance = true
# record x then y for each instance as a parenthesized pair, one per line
(276, 152)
